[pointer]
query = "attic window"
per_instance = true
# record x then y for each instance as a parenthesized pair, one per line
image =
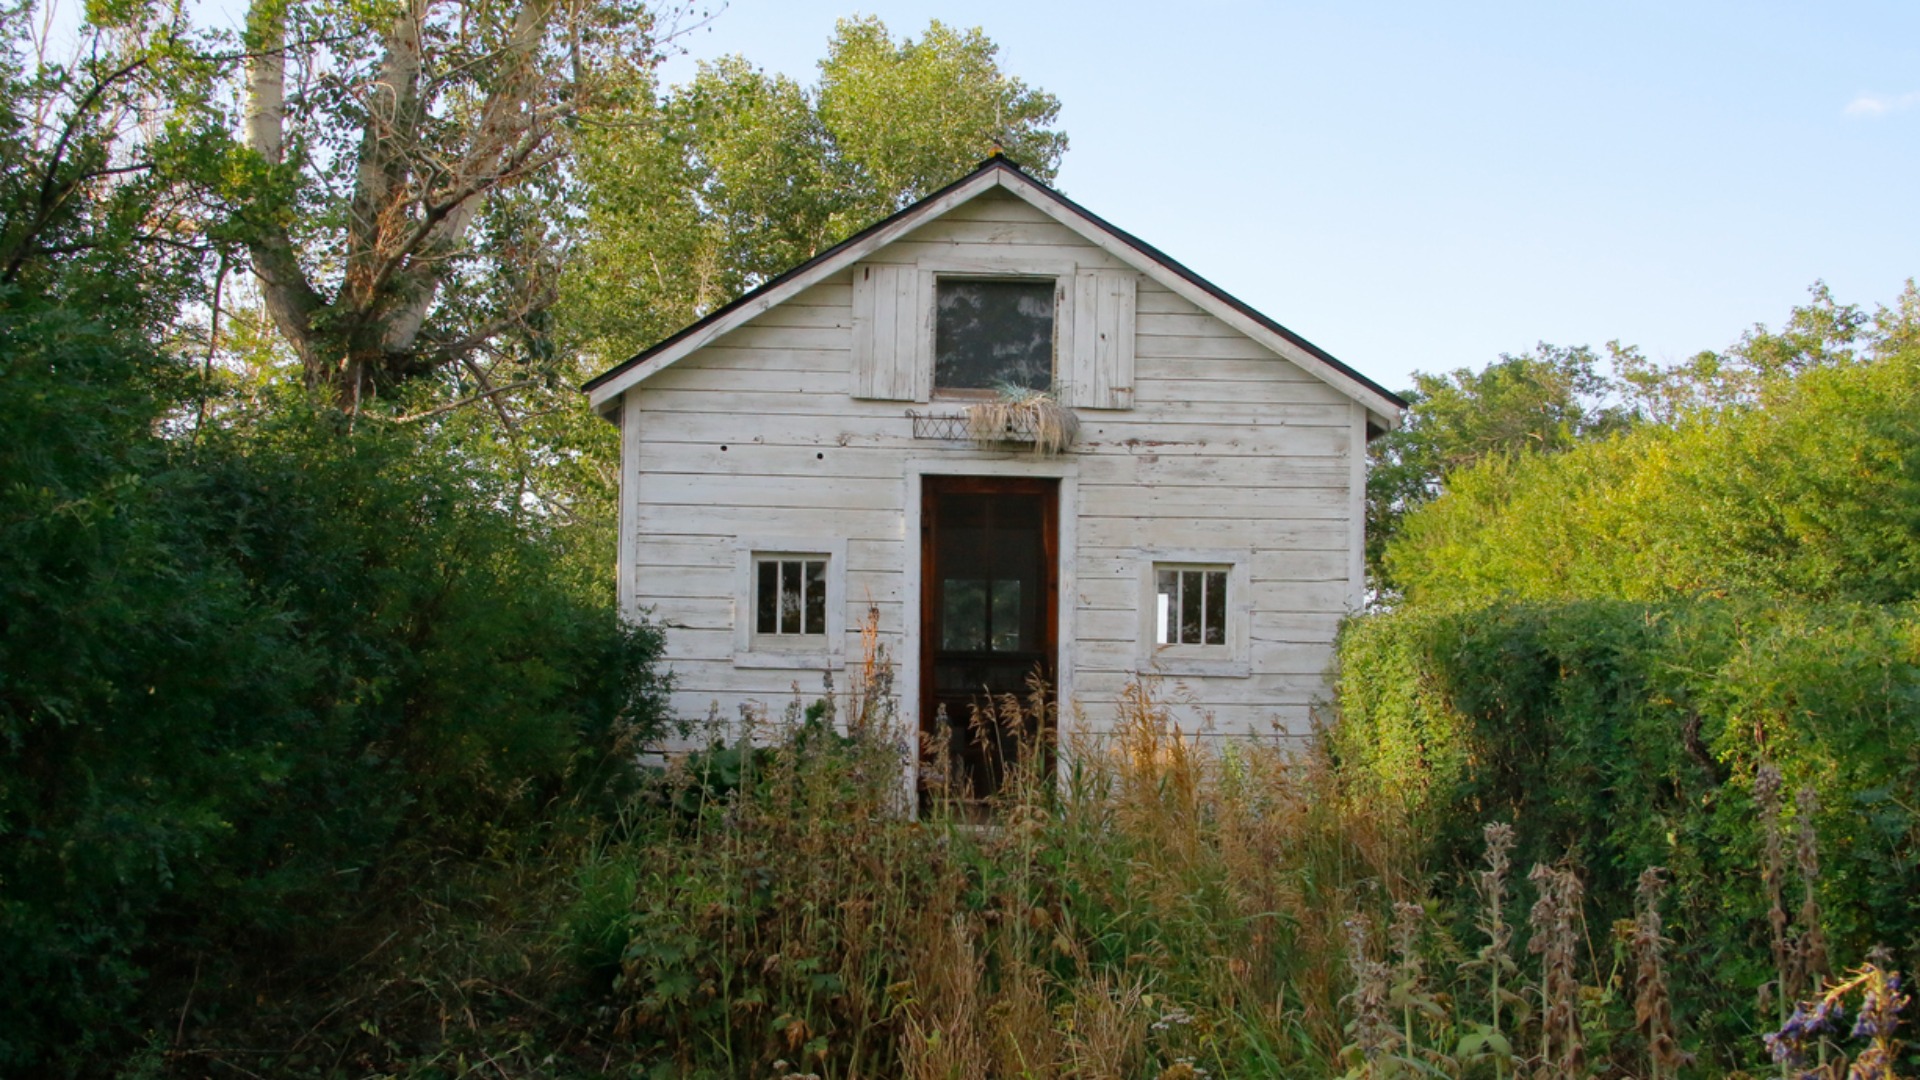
(993, 334)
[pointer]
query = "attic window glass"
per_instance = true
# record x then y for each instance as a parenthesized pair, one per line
(992, 335)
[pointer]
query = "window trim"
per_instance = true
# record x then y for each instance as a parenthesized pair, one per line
(792, 651)
(1232, 659)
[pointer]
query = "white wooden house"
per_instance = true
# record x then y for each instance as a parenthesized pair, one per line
(790, 464)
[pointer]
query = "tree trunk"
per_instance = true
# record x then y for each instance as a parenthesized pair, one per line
(412, 206)
(290, 299)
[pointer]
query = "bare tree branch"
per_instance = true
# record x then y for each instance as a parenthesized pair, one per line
(437, 410)
(55, 189)
(502, 141)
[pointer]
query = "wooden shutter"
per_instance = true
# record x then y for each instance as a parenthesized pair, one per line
(891, 328)
(1101, 368)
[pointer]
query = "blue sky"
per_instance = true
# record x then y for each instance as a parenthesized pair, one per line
(1426, 186)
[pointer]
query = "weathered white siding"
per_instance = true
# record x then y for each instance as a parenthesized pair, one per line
(1226, 446)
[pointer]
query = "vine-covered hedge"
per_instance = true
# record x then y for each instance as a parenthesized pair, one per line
(1629, 734)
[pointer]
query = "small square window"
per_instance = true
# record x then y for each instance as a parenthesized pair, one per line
(790, 596)
(789, 607)
(1190, 605)
(1196, 612)
(991, 334)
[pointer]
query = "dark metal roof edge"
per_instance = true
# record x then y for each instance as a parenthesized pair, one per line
(1001, 161)
(1211, 289)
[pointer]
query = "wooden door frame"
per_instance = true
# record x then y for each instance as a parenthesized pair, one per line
(912, 592)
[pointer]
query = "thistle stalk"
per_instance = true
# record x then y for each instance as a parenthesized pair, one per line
(1811, 944)
(1558, 942)
(1652, 1004)
(1408, 974)
(1370, 1031)
(1766, 793)
(1492, 885)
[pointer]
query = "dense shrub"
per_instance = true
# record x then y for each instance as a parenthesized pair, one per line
(1629, 735)
(241, 667)
(1812, 491)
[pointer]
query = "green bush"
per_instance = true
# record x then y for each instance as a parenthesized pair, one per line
(244, 670)
(1812, 492)
(1629, 734)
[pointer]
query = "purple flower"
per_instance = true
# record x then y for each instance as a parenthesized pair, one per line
(1782, 1048)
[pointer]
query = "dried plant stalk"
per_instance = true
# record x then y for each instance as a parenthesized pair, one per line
(1496, 954)
(1810, 945)
(1370, 1033)
(1652, 1004)
(1773, 875)
(1557, 940)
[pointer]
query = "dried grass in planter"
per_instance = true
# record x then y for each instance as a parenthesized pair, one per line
(1020, 412)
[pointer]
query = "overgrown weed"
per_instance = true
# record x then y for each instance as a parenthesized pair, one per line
(1137, 903)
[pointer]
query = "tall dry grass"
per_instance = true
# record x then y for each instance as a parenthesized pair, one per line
(1136, 905)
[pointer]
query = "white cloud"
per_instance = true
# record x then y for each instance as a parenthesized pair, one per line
(1881, 104)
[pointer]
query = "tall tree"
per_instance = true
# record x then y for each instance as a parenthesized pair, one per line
(407, 173)
(95, 210)
(1809, 490)
(703, 191)
(1542, 401)
(908, 117)
(1821, 333)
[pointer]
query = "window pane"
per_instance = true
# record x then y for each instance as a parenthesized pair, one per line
(1190, 607)
(789, 598)
(963, 618)
(991, 334)
(766, 618)
(816, 590)
(1166, 602)
(1215, 608)
(1006, 616)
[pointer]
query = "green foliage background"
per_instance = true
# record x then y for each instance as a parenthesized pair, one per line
(1601, 637)
(1810, 492)
(251, 670)
(1626, 735)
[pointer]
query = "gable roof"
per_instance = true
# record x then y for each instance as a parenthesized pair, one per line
(999, 171)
